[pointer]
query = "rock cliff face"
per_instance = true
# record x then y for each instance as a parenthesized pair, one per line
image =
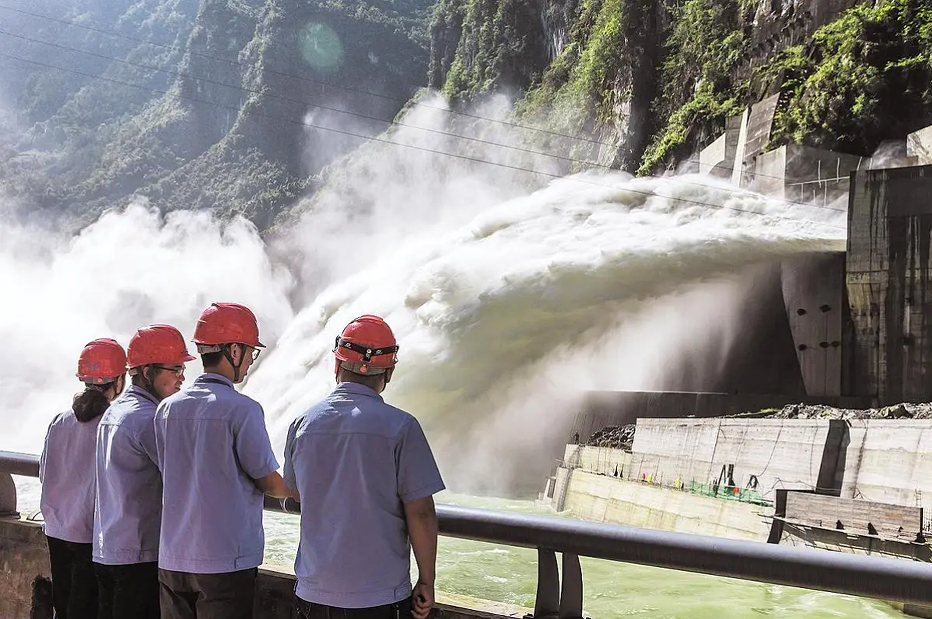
(205, 104)
(648, 82)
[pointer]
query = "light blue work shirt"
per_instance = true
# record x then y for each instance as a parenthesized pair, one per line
(128, 511)
(211, 443)
(355, 461)
(66, 470)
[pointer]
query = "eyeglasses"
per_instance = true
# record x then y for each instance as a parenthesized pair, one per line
(176, 370)
(255, 352)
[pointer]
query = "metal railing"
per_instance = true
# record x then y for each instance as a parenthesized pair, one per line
(896, 580)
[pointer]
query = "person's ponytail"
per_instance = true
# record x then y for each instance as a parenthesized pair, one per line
(91, 403)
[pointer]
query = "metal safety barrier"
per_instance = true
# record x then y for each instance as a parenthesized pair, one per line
(897, 580)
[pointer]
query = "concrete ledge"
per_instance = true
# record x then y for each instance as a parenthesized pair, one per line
(601, 498)
(24, 560)
(25, 591)
(913, 610)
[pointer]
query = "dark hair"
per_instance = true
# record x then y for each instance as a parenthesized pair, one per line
(91, 403)
(139, 378)
(372, 381)
(211, 359)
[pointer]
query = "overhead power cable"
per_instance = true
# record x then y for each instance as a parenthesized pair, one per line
(372, 94)
(309, 80)
(355, 114)
(383, 140)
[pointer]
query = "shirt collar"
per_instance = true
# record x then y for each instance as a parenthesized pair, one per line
(141, 393)
(210, 377)
(349, 388)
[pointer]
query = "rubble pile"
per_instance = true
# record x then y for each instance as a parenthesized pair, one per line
(819, 411)
(617, 437)
(622, 437)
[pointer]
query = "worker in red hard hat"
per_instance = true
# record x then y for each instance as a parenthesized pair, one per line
(128, 508)
(66, 470)
(369, 477)
(216, 460)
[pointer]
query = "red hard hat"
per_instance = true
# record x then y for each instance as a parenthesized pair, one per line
(157, 344)
(227, 323)
(366, 346)
(101, 362)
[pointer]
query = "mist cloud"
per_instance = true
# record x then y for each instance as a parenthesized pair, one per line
(129, 269)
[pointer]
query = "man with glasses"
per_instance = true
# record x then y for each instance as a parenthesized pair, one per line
(128, 502)
(216, 461)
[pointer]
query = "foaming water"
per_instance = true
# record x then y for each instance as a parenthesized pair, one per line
(504, 317)
(593, 282)
(510, 296)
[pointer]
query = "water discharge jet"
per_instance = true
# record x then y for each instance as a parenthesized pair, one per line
(510, 297)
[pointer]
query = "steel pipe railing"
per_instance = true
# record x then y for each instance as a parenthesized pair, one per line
(897, 580)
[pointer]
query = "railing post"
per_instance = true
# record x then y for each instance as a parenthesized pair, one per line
(556, 601)
(571, 591)
(7, 497)
(547, 603)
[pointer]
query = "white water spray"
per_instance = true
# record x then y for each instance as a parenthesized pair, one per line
(127, 270)
(508, 302)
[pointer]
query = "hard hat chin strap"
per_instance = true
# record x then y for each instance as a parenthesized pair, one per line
(225, 350)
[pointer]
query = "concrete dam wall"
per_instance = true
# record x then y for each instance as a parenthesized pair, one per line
(601, 409)
(890, 461)
(725, 476)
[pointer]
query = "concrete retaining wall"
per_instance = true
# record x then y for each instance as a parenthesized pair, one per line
(604, 460)
(606, 499)
(780, 453)
(878, 460)
(890, 461)
(611, 408)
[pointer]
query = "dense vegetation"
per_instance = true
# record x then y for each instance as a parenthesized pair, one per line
(861, 77)
(199, 103)
(864, 78)
(204, 103)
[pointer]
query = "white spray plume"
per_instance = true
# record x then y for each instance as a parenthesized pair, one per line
(507, 311)
(510, 294)
(125, 271)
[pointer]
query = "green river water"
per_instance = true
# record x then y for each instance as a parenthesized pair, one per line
(612, 590)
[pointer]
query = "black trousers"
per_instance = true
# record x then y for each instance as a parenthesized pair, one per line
(74, 583)
(128, 591)
(207, 596)
(309, 610)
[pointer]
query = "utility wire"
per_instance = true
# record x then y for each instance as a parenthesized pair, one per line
(387, 122)
(365, 92)
(309, 80)
(266, 93)
(410, 146)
